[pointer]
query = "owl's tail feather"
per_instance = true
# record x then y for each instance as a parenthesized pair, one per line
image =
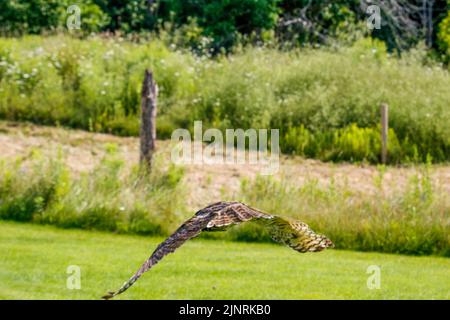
(108, 296)
(126, 285)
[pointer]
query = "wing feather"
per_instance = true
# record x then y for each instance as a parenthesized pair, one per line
(235, 213)
(297, 235)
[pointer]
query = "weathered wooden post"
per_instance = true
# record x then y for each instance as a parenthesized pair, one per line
(148, 119)
(384, 132)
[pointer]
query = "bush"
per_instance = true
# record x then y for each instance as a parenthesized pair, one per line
(346, 144)
(31, 16)
(127, 16)
(443, 38)
(40, 16)
(222, 21)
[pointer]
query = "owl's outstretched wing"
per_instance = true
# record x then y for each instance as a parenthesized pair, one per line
(220, 216)
(216, 216)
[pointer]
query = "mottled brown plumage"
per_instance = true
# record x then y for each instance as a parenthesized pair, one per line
(220, 216)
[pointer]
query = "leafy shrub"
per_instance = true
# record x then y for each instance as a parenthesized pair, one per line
(346, 144)
(39, 16)
(443, 37)
(223, 21)
(28, 16)
(127, 16)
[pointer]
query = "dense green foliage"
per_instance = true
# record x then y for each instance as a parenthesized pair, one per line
(219, 24)
(443, 37)
(349, 143)
(222, 21)
(326, 103)
(19, 17)
(44, 191)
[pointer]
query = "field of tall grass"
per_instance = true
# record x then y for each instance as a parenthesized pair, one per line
(324, 101)
(110, 197)
(414, 219)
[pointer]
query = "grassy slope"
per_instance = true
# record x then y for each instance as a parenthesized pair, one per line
(34, 259)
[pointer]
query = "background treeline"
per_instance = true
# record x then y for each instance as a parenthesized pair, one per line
(220, 25)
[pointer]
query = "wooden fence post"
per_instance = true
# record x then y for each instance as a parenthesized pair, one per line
(148, 119)
(384, 132)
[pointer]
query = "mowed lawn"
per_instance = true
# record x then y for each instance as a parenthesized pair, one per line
(34, 261)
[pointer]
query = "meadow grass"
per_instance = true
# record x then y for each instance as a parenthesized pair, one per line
(34, 261)
(414, 219)
(111, 197)
(325, 102)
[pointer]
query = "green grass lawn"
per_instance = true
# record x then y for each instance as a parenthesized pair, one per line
(34, 261)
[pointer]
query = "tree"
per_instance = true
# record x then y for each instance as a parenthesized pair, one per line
(406, 22)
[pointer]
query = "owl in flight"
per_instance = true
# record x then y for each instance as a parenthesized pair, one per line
(221, 215)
